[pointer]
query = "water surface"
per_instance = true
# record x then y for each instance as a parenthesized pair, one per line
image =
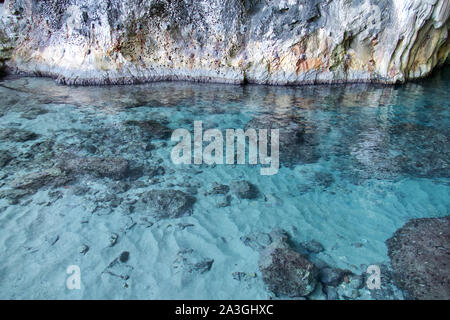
(368, 158)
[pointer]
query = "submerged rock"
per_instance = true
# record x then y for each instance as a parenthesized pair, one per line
(155, 171)
(124, 256)
(151, 128)
(167, 204)
(257, 240)
(190, 261)
(217, 188)
(33, 113)
(116, 168)
(244, 189)
(285, 271)
(243, 276)
(424, 153)
(420, 258)
(16, 135)
(118, 268)
(297, 138)
(5, 158)
(83, 249)
(313, 246)
(324, 179)
(332, 276)
(14, 195)
(36, 180)
(113, 238)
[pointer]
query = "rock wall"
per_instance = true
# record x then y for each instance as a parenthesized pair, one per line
(236, 41)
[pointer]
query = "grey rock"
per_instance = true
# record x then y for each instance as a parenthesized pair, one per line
(285, 271)
(116, 168)
(217, 188)
(419, 254)
(166, 204)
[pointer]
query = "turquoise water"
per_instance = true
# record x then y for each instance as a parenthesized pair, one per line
(357, 162)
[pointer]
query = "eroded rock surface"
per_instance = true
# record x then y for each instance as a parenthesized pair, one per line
(272, 42)
(420, 258)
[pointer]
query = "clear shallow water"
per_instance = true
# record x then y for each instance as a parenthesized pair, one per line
(370, 158)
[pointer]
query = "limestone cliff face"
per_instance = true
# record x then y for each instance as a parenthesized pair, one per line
(261, 41)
